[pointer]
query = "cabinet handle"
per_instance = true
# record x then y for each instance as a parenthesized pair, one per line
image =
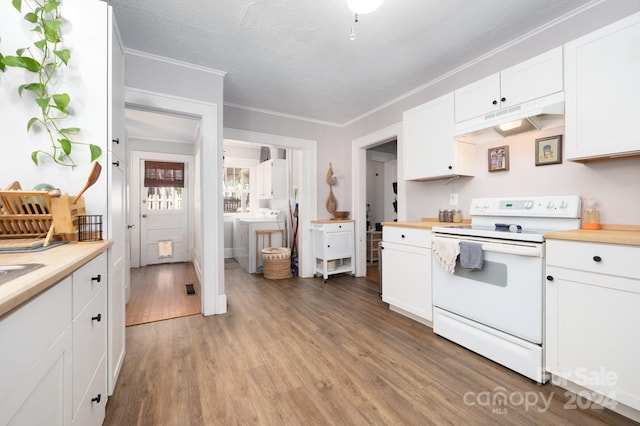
(116, 163)
(450, 167)
(97, 278)
(97, 399)
(328, 246)
(97, 318)
(549, 278)
(116, 141)
(402, 236)
(597, 258)
(494, 102)
(503, 99)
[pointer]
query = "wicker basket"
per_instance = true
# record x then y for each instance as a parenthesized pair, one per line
(276, 263)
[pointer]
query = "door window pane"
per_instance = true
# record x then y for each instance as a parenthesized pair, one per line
(236, 187)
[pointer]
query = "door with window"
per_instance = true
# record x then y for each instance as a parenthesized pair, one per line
(163, 213)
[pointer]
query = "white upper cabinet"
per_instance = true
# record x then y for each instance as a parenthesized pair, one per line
(602, 88)
(532, 79)
(272, 179)
(430, 150)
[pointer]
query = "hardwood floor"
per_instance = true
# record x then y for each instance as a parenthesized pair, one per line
(158, 292)
(297, 351)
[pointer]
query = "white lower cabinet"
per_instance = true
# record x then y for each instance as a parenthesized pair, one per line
(593, 321)
(406, 271)
(53, 359)
(333, 247)
(35, 360)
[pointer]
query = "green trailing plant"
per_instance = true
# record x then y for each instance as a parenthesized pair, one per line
(46, 59)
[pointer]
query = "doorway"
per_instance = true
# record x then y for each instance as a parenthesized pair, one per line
(164, 208)
(359, 149)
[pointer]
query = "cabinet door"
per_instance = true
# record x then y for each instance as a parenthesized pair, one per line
(478, 98)
(532, 79)
(592, 324)
(602, 89)
(429, 145)
(338, 245)
(406, 278)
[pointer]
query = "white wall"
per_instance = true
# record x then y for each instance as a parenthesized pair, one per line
(87, 72)
(375, 190)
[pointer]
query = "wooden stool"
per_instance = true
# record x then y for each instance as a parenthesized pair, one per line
(260, 237)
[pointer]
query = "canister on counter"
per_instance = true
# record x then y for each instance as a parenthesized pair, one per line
(448, 216)
(441, 215)
(457, 216)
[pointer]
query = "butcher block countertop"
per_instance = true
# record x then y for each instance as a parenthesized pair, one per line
(424, 223)
(609, 234)
(58, 262)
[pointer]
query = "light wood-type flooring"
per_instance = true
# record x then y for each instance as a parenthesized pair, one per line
(300, 352)
(158, 292)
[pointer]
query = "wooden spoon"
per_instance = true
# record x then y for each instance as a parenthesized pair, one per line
(93, 177)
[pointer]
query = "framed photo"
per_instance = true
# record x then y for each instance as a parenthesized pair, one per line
(549, 150)
(498, 158)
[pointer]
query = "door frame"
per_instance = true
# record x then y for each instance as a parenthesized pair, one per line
(135, 184)
(359, 187)
(307, 176)
(209, 262)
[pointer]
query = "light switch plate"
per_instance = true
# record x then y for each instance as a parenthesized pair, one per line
(453, 199)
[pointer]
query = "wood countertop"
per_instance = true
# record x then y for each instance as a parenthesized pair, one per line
(424, 223)
(323, 221)
(58, 262)
(609, 234)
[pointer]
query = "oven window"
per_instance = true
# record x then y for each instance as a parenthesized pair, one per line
(494, 273)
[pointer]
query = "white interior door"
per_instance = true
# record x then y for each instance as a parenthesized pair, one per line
(163, 222)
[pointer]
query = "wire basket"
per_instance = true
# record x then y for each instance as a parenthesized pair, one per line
(89, 227)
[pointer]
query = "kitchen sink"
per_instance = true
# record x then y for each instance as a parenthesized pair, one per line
(9, 272)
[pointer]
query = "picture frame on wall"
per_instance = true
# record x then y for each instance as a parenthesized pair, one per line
(549, 150)
(498, 158)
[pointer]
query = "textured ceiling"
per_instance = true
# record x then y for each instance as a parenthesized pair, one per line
(295, 57)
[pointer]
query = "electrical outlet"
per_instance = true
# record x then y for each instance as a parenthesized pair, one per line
(453, 200)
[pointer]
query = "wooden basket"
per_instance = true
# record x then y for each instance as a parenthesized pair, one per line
(276, 263)
(31, 214)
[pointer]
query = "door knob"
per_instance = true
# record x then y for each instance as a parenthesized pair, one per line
(144, 216)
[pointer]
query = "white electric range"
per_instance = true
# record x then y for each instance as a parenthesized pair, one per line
(497, 310)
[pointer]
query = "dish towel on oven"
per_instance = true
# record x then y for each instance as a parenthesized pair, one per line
(446, 251)
(471, 255)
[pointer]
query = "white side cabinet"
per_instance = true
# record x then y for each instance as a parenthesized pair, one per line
(534, 78)
(602, 89)
(333, 247)
(272, 179)
(430, 149)
(406, 271)
(53, 357)
(593, 321)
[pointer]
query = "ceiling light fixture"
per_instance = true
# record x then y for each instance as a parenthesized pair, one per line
(364, 6)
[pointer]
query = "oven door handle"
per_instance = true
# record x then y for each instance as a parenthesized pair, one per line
(512, 249)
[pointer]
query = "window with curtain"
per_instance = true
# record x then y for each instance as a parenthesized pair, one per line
(236, 187)
(164, 183)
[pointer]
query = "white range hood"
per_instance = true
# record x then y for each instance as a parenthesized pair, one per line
(552, 104)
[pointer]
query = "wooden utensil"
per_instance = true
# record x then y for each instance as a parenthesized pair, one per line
(93, 177)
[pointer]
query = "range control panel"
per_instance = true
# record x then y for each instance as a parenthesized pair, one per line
(560, 206)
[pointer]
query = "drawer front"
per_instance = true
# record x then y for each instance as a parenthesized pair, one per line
(93, 399)
(87, 281)
(89, 344)
(337, 227)
(610, 259)
(409, 236)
